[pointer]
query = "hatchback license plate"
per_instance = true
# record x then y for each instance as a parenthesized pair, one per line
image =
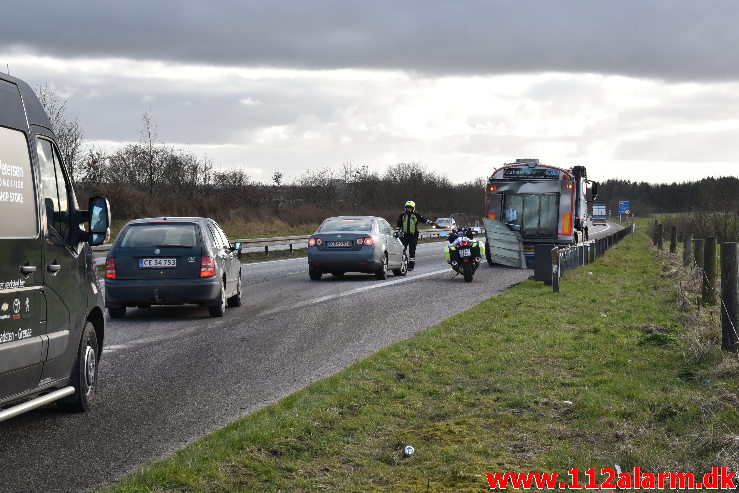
(465, 252)
(339, 244)
(158, 263)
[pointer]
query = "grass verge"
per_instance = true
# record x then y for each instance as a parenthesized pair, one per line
(526, 381)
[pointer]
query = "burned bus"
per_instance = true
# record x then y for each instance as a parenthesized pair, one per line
(544, 204)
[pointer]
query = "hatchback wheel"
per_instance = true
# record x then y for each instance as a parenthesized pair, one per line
(235, 300)
(219, 309)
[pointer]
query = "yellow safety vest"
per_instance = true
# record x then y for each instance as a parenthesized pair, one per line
(409, 223)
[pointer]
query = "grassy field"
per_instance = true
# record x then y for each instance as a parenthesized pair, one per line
(527, 381)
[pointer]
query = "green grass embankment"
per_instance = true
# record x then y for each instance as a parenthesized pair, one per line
(526, 381)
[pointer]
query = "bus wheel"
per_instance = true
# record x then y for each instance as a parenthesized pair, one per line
(488, 257)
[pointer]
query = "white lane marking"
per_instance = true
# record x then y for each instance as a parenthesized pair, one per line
(385, 284)
(274, 261)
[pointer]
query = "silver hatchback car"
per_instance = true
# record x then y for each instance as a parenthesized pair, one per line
(356, 244)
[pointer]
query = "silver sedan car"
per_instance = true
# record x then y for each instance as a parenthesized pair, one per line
(356, 244)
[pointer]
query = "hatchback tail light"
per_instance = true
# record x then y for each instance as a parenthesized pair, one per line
(110, 268)
(207, 267)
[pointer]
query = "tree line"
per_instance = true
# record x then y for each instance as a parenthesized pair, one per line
(150, 178)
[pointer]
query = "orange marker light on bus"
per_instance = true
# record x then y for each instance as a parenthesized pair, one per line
(491, 216)
(566, 224)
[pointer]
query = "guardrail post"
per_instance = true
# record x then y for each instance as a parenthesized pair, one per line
(687, 248)
(291, 248)
(729, 295)
(581, 255)
(709, 272)
(266, 250)
(673, 239)
(555, 270)
(591, 252)
(660, 235)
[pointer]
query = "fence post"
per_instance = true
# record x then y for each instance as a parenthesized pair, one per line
(673, 239)
(698, 251)
(654, 232)
(687, 248)
(555, 270)
(729, 295)
(660, 235)
(709, 272)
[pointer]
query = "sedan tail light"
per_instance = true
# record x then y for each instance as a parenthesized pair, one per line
(207, 267)
(368, 241)
(311, 242)
(110, 268)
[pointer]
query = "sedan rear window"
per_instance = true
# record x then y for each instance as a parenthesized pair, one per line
(160, 235)
(340, 224)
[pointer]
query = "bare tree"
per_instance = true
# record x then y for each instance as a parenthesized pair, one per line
(151, 149)
(69, 135)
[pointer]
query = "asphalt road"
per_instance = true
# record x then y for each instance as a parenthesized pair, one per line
(171, 374)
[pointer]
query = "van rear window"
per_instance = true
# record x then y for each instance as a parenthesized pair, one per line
(160, 236)
(17, 198)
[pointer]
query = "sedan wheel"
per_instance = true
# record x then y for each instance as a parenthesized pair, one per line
(403, 266)
(382, 273)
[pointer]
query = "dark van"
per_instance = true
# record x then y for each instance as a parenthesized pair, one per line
(51, 307)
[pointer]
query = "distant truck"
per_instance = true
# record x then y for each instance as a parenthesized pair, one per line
(600, 215)
(544, 204)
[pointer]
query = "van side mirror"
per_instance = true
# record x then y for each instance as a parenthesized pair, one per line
(99, 212)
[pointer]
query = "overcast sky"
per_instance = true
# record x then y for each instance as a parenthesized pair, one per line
(640, 90)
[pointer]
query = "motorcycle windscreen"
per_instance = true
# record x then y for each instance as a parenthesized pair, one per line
(534, 215)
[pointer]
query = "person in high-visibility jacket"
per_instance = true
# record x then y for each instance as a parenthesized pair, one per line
(408, 224)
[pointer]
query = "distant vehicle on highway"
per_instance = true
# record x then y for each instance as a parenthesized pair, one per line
(365, 244)
(600, 215)
(445, 223)
(51, 309)
(172, 261)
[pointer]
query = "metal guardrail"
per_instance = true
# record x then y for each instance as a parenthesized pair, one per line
(553, 263)
(291, 241)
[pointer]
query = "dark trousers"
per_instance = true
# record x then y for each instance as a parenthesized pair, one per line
(410, 242)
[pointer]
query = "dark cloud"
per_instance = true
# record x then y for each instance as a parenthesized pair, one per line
(675, 39)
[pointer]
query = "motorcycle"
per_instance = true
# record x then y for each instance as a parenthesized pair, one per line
(464, 253)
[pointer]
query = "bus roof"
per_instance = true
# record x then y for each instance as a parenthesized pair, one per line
(530, 169)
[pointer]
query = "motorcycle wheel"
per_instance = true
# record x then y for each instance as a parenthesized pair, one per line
(467, 270)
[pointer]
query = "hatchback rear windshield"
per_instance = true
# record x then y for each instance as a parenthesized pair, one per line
(160, 235)
(339, 224)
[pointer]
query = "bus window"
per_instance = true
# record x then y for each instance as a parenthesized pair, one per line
(534, 215)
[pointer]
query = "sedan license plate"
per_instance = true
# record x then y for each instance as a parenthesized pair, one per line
(158, 263)
(465, 252)
(338, 244)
